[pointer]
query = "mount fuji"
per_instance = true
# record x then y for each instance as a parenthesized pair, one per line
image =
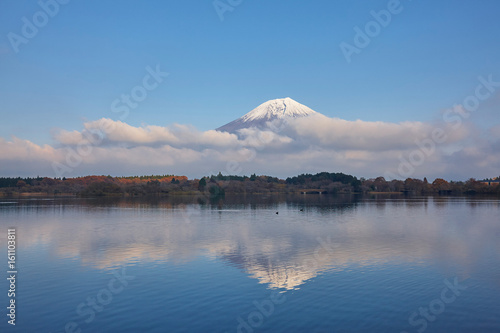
(270, 111)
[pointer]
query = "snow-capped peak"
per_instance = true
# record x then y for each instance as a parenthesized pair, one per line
(269, 111)
(278, 109)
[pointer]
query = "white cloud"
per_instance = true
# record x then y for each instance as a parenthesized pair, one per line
(26, 151)
(363, 135)
(310, 144)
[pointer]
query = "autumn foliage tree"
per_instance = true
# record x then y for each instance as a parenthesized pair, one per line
(440, 185)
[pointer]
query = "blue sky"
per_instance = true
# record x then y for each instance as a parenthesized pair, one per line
(426, 60)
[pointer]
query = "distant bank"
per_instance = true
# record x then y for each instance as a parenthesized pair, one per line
(218, 185)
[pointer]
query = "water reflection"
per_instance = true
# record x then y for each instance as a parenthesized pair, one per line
(282, 251)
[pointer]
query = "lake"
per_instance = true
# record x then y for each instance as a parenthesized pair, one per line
(309, 263)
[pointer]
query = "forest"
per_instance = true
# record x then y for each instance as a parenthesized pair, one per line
(218, 185)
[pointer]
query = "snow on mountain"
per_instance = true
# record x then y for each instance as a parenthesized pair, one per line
(270, 111)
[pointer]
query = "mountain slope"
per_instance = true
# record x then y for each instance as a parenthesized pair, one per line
(269, 111)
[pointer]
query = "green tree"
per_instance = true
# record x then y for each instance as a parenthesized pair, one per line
(202, 184)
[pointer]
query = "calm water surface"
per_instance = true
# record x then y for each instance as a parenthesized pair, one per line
(343, 264)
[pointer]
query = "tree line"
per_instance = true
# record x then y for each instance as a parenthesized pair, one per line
(217, 185)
